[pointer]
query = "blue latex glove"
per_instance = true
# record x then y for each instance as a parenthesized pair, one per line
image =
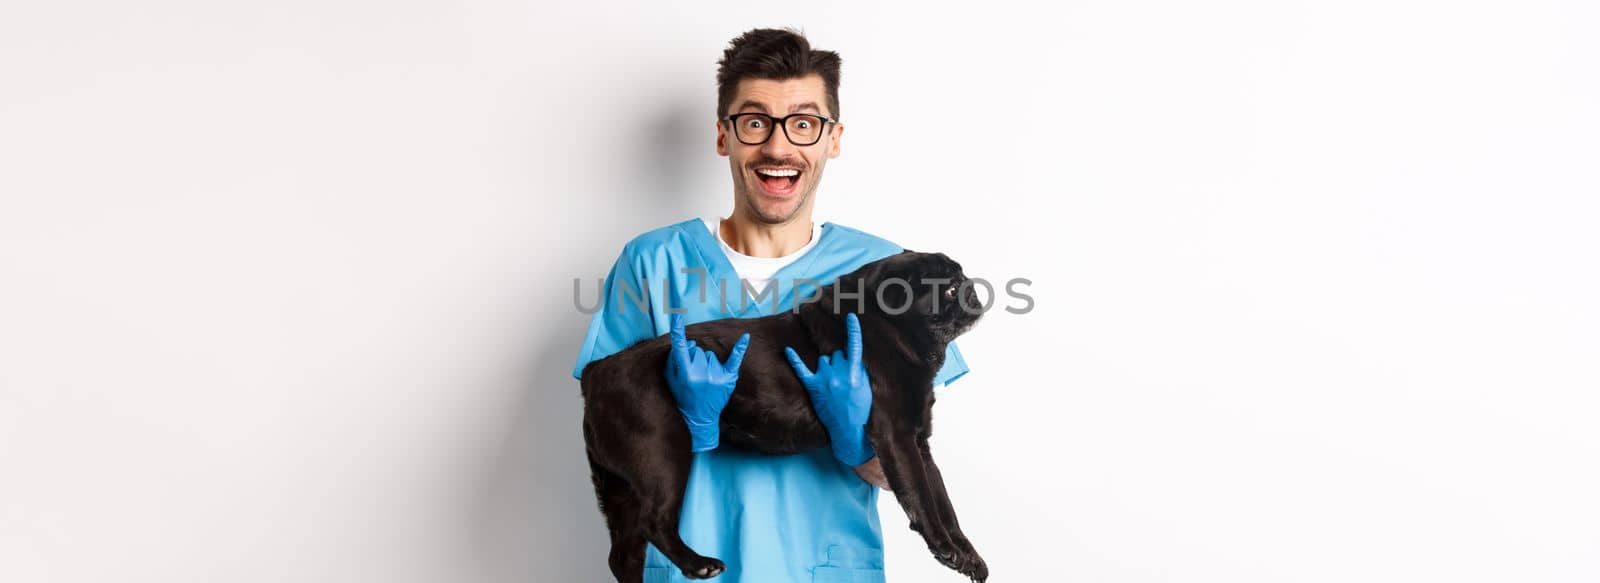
(841, 394)
(701, 384)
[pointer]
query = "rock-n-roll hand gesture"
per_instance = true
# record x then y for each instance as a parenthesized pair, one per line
(841, 394)
(702, 384)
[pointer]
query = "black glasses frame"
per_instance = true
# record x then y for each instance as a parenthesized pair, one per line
(782, 122)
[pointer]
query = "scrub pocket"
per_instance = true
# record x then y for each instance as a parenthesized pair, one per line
(849, 564)
(659, 574)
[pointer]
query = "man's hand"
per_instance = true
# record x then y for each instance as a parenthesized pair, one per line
(872, 473)
(841, 394)
(701, 384)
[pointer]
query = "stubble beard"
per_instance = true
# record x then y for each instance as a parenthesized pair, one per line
(752, 200)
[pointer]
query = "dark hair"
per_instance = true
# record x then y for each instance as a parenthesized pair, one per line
(779, 55)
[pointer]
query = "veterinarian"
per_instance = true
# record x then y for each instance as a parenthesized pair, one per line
(809, 517)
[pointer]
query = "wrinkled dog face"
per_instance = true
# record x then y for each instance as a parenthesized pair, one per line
(926, 287)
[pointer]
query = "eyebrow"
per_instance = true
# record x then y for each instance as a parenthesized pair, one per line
(762, 107)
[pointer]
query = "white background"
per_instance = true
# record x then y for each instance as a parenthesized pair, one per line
(285, 287)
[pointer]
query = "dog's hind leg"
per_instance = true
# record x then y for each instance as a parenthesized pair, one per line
(664, 471)
(620, 505)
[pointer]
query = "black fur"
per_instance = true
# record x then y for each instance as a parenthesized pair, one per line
(638, 445)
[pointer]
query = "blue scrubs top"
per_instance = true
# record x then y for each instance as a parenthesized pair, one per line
(801, 518)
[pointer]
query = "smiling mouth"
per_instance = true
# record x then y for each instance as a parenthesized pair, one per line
(778, 181)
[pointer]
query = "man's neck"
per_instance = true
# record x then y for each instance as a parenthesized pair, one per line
(766, 240)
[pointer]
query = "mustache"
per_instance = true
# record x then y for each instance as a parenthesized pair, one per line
(766, 161)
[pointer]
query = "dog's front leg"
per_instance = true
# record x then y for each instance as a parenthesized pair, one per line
(908, 476)
(975, 567)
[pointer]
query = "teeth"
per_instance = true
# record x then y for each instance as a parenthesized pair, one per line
(778, 172)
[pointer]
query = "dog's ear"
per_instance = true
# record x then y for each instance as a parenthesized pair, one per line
(896, 296)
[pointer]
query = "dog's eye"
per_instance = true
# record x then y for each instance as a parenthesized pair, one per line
(950, 292)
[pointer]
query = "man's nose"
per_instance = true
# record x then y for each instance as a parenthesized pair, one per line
(778, 145)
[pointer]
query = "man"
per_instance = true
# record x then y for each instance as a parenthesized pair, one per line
(809, 517)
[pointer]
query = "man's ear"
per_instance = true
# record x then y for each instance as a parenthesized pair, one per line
(722, 139)
(833, 140)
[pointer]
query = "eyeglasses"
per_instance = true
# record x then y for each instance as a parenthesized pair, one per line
(802, 129)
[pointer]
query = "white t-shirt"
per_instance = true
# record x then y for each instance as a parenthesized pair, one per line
(759, 270)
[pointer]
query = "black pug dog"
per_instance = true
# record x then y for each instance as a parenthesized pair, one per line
(638, 445)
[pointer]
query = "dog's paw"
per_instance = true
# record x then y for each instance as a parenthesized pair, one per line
(704, 568)
(961, 561)
(969, 564)
(976, 570)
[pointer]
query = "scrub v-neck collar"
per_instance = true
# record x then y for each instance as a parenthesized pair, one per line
(720, 271)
